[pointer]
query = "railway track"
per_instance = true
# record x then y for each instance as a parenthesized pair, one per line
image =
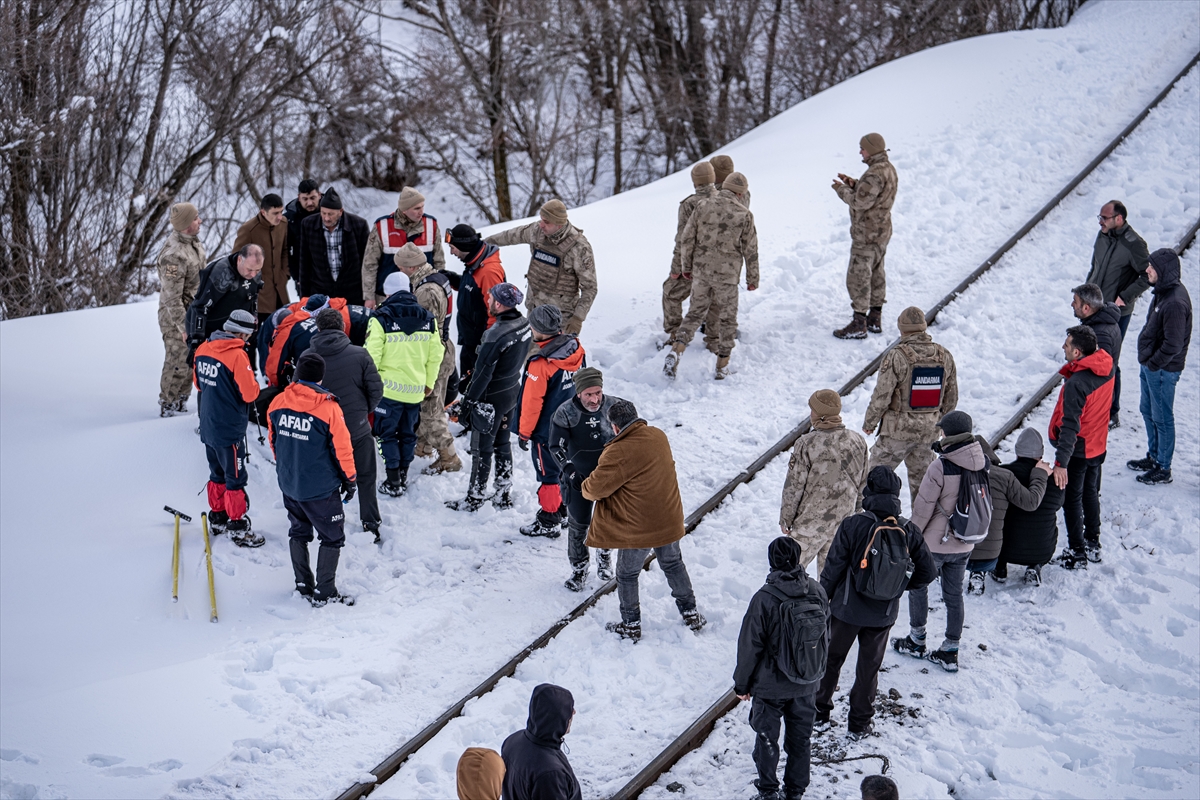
(697, 732)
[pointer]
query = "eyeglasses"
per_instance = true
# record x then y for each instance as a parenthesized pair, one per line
(1103, 218)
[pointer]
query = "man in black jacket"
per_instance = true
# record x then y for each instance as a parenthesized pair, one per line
(351, 376)
(331, 253)
(1162, 352)
(303, 206)
(856, 617)
(492, 396)
(535, 767)
(227, 283)
(759, 677)
(1087, 303)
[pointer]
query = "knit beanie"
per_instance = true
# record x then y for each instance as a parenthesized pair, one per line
(882, 480)
(396, 282)
(410, 256)
(586, 378)
(308, 185)
(554, 211)
(316, 302)
(911, 320)
(182, 215)
(722, 167)
(736, 183)
(703, 173)
(783, 553)
(310, 367)
(546, 319)
(507, 295)
(409, 197)
(480, 774)
(464, 238)
(331, 199)
(1029, 444)
(872, 143)
(825, 403)
(956, 422)
(240, 321)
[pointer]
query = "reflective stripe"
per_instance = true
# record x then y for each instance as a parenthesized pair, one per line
(393, 238)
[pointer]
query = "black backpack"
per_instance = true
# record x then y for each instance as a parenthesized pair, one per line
(885, 565)
(802, 646)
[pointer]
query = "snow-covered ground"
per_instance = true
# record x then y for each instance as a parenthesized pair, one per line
(107, 689)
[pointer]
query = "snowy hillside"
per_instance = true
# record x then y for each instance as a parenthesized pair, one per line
(1090, 685)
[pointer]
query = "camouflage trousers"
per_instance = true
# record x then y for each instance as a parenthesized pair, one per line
(434, 429)
(813, 543)
(917, 456)
(176, 381)
(675, 291)
(706, 298)
(865, 278)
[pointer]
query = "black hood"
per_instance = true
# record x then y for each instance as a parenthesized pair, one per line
(550, 711)
(403, 309)
(793, 582)
(881, 495)
(329, 343)
(1166, 264)
(1109, 314)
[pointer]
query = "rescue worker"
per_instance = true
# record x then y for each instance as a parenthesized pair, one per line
(718, 237)
(562, 270)
(870, 199)
(227, 283)
(678, 285)
(916, 387)
(482, 271)
(408, 225)
(179, 265)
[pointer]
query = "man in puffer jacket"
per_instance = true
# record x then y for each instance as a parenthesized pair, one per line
(935, 501)
(535, 767)
(1104, 319)
(1030, 536)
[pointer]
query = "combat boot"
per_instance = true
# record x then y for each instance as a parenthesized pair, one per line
(545, 524)
(447, 461)
(722, 367)
(423, 450)
(578, 579)
(875, 320)
(857, 329)
(481, 466)
(604, 565)
(673, 357)
(241, 535)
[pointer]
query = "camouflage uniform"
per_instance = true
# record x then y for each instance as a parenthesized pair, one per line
(562, 271)
(373, 255)
(434, 429)
(825, 477)
(745, 195)
(179, 266)
(678, 285)
(719, 235)
(906, 434)
(870, 202)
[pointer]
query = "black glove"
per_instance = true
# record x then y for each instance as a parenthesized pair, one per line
(523, 443)
(348, 490)
(455, 278)
(575, 481)
(464, 382)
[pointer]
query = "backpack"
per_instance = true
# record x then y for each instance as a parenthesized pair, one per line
(886, 565)
(972, 515)
(803, 643)
(926, 381)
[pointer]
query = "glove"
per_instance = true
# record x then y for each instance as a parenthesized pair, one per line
(463, 382)
(348, 490)
(454, 278)
(574, 326)
(523, 443)
(575, 481)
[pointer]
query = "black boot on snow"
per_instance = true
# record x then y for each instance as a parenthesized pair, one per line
(469, 503)
(875, 320)
(373, 529)
(857, 329)
(1073, 559)
(626, 630)
(241, 535)
(326, 591)
(218, 521)
(1091, 549)
(544, 524)
(976, 585)
(604, 565)
(1033, 576)
(578, 578)
(1142, 464)
(946, 659)
(909, 646)
(1155, 476)
(396, 483)
(694, 620)
(502, 500)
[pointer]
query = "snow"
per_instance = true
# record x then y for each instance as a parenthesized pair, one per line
(1089, 684)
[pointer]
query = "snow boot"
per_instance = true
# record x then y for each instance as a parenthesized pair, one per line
(544, 524)
(321, 602)
(326, 590)
(1155, 476)
(946, 659)
(722, 367)
(694, 620)
(604, 565)
(859, 735)
(857, 329)
(1091, 548)
(423, 450)
(672, 362)
(481, 468)
(396, 483)
(373, 529)
(1073, 559)
(502, 500)
(166, 409)
(241, 535)
(976, 585)
(875, 320)
(218, 521)
(578, 579)
(823, 724)
(1000, 573)
(305, 591)
(909, 646)
(1033, 576)
(447, 461)
(1114, 420)
(768, 794)
(626, 630)
(1142, 464)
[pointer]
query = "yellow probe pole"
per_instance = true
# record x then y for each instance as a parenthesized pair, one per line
(175, 565)
(212, 589)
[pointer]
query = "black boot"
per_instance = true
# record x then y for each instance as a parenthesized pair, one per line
(578, 579)
(301, 568)
(504, 471)
(396, 483)
(604, 565)
(326, 591)
(481, 465)
(217, 522)
(544, 524)
(875, 320)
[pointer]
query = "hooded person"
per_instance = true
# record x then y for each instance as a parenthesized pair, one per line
(480, 774)
(535, 767)
(1030, 536)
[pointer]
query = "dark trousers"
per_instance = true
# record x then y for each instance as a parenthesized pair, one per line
(1081, 501)
(496, 441)
(797, 715)
(872, 644)
(579, 517)
(365, 466)
(396, 426)
(629, 567)
(1123, 324)
(549, 493)
(227, 479)
(327, 517)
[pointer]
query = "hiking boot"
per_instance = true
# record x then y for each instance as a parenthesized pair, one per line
(396, 483)
(722, 367)
(1114, 420)
(447, 461)
(909, 647)
(857, 329)
(543, 525)
(604, 565)
(1142, 464)
(166, 409)
(241, 535)
(1092, 550)
(578, 578)
(859, 735)
(1155, 476)
(1033, 576)
(977, 584)
(336, 597)
(672, 362)
(218, 521)
(373, 528)
(694, 620)
(769, 794)
(423, 450)
(1073, 559)
(823, 724)
(946, 659)
(875, 320)
(469, 503)
(626, 630)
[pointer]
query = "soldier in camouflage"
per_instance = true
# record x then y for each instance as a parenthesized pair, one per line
(678, 285)
(870, 199)
(826, 474)
(409, 224)
(917, 386)
(179, 266)
(562, 271)
(722, 169)
(718, 237)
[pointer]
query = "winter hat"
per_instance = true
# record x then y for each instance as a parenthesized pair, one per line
(736, 183)
(396, 282)
(882, 480)
(722, 167)
(308, 185)
(480, 774)
(240, 321)
(911, 320)
(182, 215)
(507, 295)
(463, 237)
(872, 143)
(410, 256)
(703, 173)
(316, 302)
(331, 199)
(784, 553)
(310, 367)
(956, 422)
(330, 319)
(554, 211)
(409, 197)
(825, 403)
(586, 378)
(546, 319)
(1029, 444)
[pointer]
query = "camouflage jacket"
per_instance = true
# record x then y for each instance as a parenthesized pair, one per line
(890, 406)
(373, 255)
(745, 197)
(179, 266)
(824, 482)
(871, 202)
(718, 237)
(562, 270)
(686, 206)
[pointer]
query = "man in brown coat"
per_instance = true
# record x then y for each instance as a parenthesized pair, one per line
(266, 231)
(638, 509)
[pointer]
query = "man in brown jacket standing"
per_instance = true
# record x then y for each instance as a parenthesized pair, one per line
(870, 199)
(179, 266)
(266, 231)
(638, 509)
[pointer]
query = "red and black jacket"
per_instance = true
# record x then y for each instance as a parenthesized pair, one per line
(481, 272)
(312, 447)
(1079, 427)
(547, 384)
(289, 339)
(225, 388)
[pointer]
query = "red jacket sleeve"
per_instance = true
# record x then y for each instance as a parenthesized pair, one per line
(489, 274)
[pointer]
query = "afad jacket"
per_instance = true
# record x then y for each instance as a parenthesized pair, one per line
(313, 455)
(289, 338)
(481, 272)
(403, 341)
(225, 388)
(547, 384)
(1079, 426)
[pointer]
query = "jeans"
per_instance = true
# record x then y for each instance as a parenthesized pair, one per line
(1081, 501)
(951, 567)
(797, 715)
(1158, 410)
(396, 426)
(872, 644)
(629, 567)
(982, 566)
(1123, 324)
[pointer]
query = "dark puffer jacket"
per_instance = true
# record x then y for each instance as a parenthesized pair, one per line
(1105, 323)
(1163, 343)
(535, 767)
(351, 376)
(1007, 493)
(1031, 536)
(757, 672)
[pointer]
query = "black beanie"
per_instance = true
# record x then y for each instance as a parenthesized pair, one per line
(784, 553)
(331, 199)
(311, 368)
(464, 238)
(882, 480)
(956, 423)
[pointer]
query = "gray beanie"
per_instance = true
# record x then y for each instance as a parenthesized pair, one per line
(546, 319)
(240, 321)
(956, 422)
(1029, 444)
(587, 377)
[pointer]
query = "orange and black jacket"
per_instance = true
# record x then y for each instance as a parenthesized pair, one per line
(312, 449)
(547, 384)
(226, 387)
(289, 338)
(480, 273)
(1079, 426)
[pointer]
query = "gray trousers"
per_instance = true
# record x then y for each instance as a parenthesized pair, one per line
(629, 567)
(951, 568)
